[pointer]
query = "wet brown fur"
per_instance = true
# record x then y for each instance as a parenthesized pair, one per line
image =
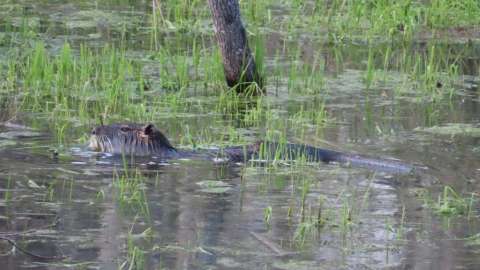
(129, 139)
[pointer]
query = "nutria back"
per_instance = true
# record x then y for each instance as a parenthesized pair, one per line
(130, 139)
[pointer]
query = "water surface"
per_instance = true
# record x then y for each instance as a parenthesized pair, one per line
(196, 214)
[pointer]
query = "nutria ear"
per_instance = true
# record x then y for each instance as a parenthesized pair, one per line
(148, 129)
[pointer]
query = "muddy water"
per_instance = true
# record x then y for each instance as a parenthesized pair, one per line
(203, 215)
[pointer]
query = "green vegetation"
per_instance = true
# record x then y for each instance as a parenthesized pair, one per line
(130, 193)
(450, 204)
(79, 85)
(267, 215)
(366, 75)
(8, 193)
(135, 255)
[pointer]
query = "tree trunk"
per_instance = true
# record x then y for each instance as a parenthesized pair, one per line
(238, 61)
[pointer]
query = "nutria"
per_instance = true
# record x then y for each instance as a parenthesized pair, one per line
(130, 139)
(145, 140)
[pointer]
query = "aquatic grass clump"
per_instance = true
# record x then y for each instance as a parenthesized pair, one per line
(312, 219)
(430, 72)
(315, 115)
(49, 81)
(267, 216)
(447, 13)
(130, 192)
(404, 18)
(135, 255)
(247, 106)
(8, 189)
(172, 17)
(304, 76)
(255, 115)
(343, 216)
(211, 70)
(435, 72)
(76, 88)
(449, 203)
(306, 230)
(256, 12)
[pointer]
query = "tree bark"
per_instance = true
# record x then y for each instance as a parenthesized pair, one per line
(238, 61)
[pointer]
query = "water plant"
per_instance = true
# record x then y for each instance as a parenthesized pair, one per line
(130, 192)
(450, 203)
(373, 54)
(8, 191)
(135, 255)
(267, 215)
(306, 230)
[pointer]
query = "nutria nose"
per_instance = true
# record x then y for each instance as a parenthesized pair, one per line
(94, 131)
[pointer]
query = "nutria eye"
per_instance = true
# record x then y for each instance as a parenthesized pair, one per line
(93, 132)
(124, 129)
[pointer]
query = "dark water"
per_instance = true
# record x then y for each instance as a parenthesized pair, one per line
(68, 205)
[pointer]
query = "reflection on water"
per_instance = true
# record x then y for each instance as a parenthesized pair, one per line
(70, 205)
(57, 202)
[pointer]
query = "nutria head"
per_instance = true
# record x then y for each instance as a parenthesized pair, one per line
(130, 139)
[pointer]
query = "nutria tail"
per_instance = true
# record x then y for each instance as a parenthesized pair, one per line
(385, 165)
(272, 150)
(130, 139)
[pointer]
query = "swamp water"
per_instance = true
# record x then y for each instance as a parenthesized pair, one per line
(95, 211)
